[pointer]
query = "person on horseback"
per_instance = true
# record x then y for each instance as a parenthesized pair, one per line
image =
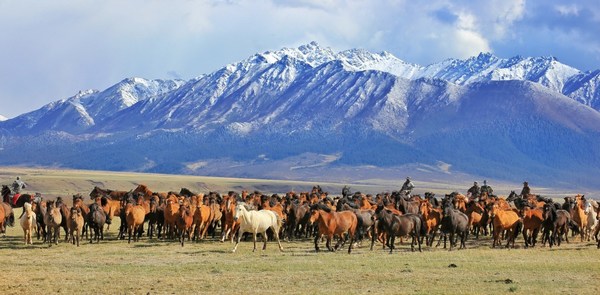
(407, 187)
(526, 190)
(475, 190)
(17, 185)
(486, 188)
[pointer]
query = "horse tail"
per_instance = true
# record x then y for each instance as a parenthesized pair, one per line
(518, 228)
(358, 233)
(423, 230)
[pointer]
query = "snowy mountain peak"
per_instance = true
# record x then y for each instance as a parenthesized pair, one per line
(2, 118)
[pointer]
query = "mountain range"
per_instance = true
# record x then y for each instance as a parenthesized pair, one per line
(312, 113)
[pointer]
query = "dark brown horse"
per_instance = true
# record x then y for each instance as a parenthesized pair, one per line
(399, 226)
(18, 199)
(114, 195)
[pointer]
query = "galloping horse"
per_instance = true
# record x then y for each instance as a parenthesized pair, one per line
(333, 223)
(505, 220)
(257, 222)
(395, 225)
(578, 215)
(18, 200)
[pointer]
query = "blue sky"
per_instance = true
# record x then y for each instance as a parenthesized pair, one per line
(52, 49)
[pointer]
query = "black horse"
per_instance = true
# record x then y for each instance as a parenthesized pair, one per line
(22, 199)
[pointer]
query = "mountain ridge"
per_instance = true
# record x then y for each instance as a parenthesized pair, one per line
(367, 109)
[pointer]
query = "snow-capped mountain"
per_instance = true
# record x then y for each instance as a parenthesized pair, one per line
(514, 118)
(2, 118)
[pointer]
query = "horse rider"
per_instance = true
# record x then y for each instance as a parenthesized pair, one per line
(475, 190)
(17, 185)
(486, 188)
(526, 190)
(407, 187)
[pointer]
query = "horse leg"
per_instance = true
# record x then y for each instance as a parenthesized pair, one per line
(278, 241)
(317, 243)
(391, 241)
(264, 236)
(239, 237)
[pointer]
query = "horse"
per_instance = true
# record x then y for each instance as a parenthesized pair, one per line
(597, 230)
(156, 217)
(184, 222)
(65, 212)
(592, 222)
(134, 216)
(578, 215)
(505, 220)
(557, 222)
(96, 220)
(475, 212)
(202, 218)
(85, 210)
(405, 205)
(115, 195)
(455, 223)
(170, 215)
(39, 207)
(53, 221)
(297, 220)
(366, 220)
(333, 223)
(432, 218)
(533, 218)
(2, 221)
(399, 225)
(28, 223)
(228, 222)
(18, 199)
(215, 211)
(76, 222)
(256, 222)
(9, 215)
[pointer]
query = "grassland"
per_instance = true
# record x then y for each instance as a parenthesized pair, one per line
(209, 267)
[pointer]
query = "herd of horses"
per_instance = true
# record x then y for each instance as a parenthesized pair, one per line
(351, 218)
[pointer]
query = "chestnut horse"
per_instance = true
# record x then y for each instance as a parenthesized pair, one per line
(578, 215)
(53, 221)
(432, 218)
(332, 224)
(184, 222)
(532, 224)
(135, 220)
(505, 220)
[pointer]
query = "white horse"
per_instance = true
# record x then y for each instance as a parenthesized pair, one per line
(256, 222)
(589, 209)
(28, 223)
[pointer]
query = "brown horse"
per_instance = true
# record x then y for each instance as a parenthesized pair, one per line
(2, 221)
(399, 226)
(170, 214)
(53, 221)
(135, 220)
(230, 225)
(9, 215)
(578, 215)
(532, 224)
(184, 222)
(432, 218)
(115, 195)
(76, 221)
(332, 224)
(505, 220)
(201, 221)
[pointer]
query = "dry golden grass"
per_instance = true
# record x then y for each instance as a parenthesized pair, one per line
(164, 267)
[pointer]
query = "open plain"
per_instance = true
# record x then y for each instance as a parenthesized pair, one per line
(153, 266)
